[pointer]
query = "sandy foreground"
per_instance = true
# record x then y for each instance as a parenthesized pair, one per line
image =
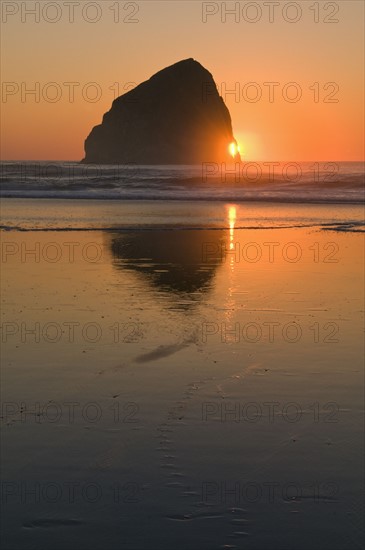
(188, 388)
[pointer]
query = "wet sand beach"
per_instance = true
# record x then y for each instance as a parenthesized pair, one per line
(182, 384)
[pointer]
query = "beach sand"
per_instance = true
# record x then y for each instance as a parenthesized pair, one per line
(195, 388)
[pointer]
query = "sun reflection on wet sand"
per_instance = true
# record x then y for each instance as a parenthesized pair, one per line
(230, 260)
(232, 216)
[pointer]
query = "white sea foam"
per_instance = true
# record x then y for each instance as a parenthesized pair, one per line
(310, 182)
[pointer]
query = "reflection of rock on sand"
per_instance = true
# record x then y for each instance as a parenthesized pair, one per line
(171, 260)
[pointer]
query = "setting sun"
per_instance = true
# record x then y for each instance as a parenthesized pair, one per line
(233, 149)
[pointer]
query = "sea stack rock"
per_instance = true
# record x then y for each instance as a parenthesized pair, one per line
(175, 117)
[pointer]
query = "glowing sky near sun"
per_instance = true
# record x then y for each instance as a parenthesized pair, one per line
(294, 89)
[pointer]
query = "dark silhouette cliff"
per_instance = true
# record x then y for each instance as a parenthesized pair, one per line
(175, 117)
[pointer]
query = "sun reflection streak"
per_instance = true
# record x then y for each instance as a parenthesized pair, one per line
(232, 216)
(230, 303)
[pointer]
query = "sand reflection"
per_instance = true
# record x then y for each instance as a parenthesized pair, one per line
(173, 261)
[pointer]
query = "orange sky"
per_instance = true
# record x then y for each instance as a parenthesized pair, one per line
(236, 52)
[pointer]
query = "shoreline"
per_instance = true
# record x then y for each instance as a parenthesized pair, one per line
(299, 201)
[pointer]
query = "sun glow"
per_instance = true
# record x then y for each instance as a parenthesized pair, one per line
(233, 149)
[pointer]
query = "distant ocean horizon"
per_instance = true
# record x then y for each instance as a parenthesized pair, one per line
(269, 181)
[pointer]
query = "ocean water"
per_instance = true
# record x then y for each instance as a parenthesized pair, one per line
(308, 182)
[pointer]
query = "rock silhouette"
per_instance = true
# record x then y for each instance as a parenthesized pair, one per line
(175, 117)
